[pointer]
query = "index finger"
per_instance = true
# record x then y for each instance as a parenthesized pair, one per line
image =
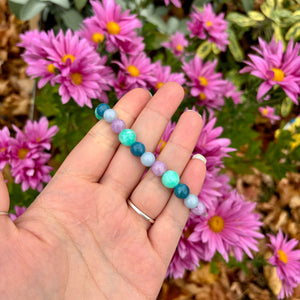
(90, 157)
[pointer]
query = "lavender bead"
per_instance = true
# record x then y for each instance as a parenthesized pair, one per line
(117, 125)
(200, 209)
(159, 168)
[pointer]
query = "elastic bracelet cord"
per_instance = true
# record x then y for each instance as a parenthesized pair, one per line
(169, 178)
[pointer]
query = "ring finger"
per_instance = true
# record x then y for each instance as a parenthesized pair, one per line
(150, 196)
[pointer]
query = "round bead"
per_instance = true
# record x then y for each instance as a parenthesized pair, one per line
(110, 115)
(148, 159)
(181, 190)
(159, 168)
(191, 201)
(170, 179)
(137, 149)
(127, 137)
(200, 209)
(100, 109)
(117, 125)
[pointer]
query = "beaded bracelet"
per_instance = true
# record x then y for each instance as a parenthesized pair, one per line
(169, 178)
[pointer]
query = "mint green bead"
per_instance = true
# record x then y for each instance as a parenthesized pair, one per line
(170, 179)
(127, 137)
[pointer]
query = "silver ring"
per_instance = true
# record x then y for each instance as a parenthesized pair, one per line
(140, 212)
(4, 213)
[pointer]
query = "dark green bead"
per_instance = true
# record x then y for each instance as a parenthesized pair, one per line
(181, 190)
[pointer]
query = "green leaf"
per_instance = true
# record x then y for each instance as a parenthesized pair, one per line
(286, 106)
(80, 4)
(73, 19)
(248, 4)
(234, 46)
(214, 268)
(266, 9)
(63, 3)
(18, 1)
(256, 16)
(15, 8)
(293, 32)
(240, 19)
(204, 49)
(31, 9)
(278, 34)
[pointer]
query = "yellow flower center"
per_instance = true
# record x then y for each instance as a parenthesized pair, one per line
(68, 56)
(203, 81)
(179, 48)
(97, 37)
(22, 153)
(278, 74)
(159, 85)
(134, 71)
(282, 256)
(208, 23)
(202, 96)
(51, 68)
(38, 139)
(161, 145)
(216, 224)
(265, 111)
(76, 78)
(2, 149)
(113, 28)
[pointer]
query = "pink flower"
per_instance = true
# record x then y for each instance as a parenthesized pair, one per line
(177, 3)
(28, 164)
(269, 112)
(38, 134)
(231, 92)
(276, 67)
(162, 74)
(230, 226)
(36, 54)
(207, 85)
(32, 172)
(19, 210)
(122, 85)
(287, 262)
(5, 141)
(208, 25)
(211, 145)
(118, 27)
(188, 252)
(138, 68)
(177, 43)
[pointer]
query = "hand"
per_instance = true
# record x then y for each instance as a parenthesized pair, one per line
(79, 239)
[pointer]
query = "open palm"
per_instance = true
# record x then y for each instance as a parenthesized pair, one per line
(80, 239)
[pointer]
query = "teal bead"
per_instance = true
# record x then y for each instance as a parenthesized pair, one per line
(170, 179)
(181, 190)
(127, 137)
(100, 109)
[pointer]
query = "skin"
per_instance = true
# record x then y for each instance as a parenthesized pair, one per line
(79, 239)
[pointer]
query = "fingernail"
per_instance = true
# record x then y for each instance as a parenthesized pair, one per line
(199, 156)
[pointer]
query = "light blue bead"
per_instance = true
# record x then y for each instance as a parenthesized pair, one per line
(191, 201)
(148, 159)
(127, 137)
(110, 115)
(170, 179)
